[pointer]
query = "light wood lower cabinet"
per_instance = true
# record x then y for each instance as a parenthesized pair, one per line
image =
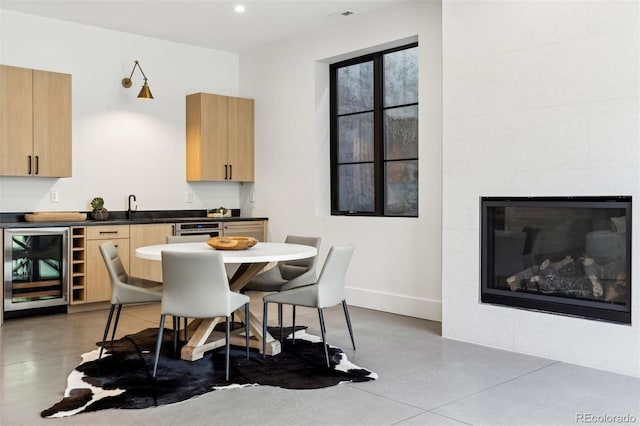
(147, 235)
(98, 283)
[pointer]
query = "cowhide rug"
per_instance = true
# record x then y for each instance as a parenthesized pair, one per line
(123, 377)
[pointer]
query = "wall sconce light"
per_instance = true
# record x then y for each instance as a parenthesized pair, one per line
(145, 93)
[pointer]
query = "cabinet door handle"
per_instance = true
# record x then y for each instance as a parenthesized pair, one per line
(29, 171)
(37, 164)
(108, 232)
(230, 171)
(226, 169)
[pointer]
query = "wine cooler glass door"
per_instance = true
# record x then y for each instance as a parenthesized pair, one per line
(35, 268)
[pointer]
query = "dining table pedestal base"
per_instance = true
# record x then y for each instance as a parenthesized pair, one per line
(204, 338)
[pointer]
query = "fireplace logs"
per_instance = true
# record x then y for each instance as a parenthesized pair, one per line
(583, 278)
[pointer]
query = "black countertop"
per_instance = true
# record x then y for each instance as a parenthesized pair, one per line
(16, 220)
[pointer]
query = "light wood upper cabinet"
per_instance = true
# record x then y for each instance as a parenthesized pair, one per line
(147, 235)
(240, 149)
(52, 123)
(35, 123)
(16, 121)
(220, 138)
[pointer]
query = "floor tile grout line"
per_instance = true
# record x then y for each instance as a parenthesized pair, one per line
(436, 414)
(47, 357)
(495, 385)
(423, 410)
(431, 410)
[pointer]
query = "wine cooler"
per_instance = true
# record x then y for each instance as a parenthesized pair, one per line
(35, 270)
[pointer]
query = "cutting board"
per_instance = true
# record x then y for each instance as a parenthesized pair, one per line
(55, 217)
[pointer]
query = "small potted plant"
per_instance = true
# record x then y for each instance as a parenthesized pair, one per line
(99, 212)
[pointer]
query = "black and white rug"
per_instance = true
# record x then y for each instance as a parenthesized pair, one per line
(123, 377)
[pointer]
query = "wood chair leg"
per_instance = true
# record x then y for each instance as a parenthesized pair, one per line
(158, 344)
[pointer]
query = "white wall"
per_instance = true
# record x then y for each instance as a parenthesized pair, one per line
(396, 265)
(540, 98)
(121, 145)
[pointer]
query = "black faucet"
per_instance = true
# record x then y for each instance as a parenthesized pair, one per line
(129, 211)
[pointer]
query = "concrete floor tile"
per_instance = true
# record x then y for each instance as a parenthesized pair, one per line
(561, 394)
(424, 379)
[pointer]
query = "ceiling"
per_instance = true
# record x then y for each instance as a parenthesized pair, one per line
(207, 23)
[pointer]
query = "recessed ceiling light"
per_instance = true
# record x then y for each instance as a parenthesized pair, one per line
(239, 8)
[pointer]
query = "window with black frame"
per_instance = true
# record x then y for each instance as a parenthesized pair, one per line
(374, 134)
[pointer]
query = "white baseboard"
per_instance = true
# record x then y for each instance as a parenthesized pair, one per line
(395, 303)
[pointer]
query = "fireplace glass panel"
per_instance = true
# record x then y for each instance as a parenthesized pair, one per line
(569, 256)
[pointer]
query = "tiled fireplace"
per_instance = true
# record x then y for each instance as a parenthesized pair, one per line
(566, 255)
(540, 99)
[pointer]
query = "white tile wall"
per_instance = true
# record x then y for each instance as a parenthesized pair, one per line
(539, 98)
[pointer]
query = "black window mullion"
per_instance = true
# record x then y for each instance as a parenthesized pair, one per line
(378, 134)
(333, 143)
(400, 106)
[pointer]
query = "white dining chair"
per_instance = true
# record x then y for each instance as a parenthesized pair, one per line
(125, 289)
(287, 274)
(328, 291)
(178, 239)
(196, 286)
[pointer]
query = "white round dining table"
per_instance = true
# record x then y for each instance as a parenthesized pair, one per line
(251, 261)
(261, 252)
